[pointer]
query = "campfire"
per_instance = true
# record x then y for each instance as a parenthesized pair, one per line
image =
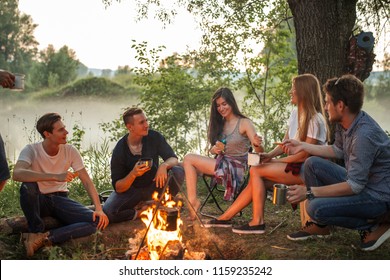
(163, 226)
(163, 237)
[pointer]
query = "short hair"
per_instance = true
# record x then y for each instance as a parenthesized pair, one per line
(46, 122)
(129, 113)
(348, 89)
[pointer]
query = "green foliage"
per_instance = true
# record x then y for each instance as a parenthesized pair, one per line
(18, 46)
(268, 81)
(114, 129)
(175, 98)
(77, 136)
(91, 87)
(54, 68)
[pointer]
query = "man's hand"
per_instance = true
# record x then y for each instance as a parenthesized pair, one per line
(67, 176)
(103, 219)
(296, 193)
(161, 175)
(140, 169)
(7, 79)
(292, 146)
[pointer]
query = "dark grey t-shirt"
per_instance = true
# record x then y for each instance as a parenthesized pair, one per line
(154, 146)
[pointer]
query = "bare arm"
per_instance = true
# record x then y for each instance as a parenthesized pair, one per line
(297, 193)
(278, 150)
(298, 157)
(248, 128)
(125, 183)
(23, 173)
(91, 190)
(292, 146)
(162, 171)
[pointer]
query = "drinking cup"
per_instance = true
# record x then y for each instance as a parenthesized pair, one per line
(280, 194)
(254, 159)
(147, 161)
(19, 82)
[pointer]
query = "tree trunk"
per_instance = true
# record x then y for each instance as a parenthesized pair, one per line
(323, 29)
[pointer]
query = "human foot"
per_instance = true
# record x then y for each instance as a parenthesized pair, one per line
(193, 209)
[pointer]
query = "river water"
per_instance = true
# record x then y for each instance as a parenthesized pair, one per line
(17, 119)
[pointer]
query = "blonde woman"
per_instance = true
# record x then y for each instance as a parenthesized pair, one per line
(306, 123)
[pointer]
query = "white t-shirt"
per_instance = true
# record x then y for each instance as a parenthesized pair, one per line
(40, 161)
(316, 129)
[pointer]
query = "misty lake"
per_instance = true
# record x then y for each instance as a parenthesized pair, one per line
(18, 117)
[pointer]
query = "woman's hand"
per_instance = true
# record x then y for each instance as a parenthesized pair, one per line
(257, 141)
(218, 148)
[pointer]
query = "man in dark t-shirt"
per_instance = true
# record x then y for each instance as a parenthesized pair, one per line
(135, 180)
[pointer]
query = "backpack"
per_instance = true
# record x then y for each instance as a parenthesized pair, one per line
(360, 55)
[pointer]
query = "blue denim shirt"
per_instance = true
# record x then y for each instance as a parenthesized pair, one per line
(365, 148)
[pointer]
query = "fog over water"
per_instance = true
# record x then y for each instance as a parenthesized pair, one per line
(17, 119)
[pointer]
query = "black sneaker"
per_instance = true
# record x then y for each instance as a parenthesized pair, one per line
(218, 223)
(247, 229)
(370, 240)
(310, 230)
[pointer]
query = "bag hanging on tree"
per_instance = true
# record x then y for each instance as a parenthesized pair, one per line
(360, 55)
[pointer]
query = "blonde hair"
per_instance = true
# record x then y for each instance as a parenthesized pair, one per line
(310, 101)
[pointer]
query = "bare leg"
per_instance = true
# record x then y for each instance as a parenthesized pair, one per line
(242, 201)
(269, 172)
(193, 165)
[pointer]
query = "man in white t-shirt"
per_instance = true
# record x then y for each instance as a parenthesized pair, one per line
(44, 170)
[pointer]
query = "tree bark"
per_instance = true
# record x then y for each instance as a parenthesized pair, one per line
(323, 29)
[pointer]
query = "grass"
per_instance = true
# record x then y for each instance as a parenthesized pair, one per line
(273, 245)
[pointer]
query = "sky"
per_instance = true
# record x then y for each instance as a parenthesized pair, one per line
(101, 37)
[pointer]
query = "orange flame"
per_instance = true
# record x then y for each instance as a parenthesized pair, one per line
(158, 236)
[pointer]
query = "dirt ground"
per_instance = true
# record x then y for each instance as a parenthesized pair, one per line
(217, 243)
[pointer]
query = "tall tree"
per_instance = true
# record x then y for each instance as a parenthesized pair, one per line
(323, 27)
(55, 67)
(18, 46)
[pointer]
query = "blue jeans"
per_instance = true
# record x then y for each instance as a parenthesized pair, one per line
(357, 211)
(76, 218)
(119, 207)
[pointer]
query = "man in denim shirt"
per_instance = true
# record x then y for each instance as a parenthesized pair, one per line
(357, 196)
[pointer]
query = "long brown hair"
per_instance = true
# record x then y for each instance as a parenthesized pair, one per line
(310, 101)
(216, 121)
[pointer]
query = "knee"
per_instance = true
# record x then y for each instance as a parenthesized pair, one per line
(254, 171)
(311, 163)
(178, 174)
(109, 210)
(189, 160)
(176, 180)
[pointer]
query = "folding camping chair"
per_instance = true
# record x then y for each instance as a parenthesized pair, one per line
(213, 188)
